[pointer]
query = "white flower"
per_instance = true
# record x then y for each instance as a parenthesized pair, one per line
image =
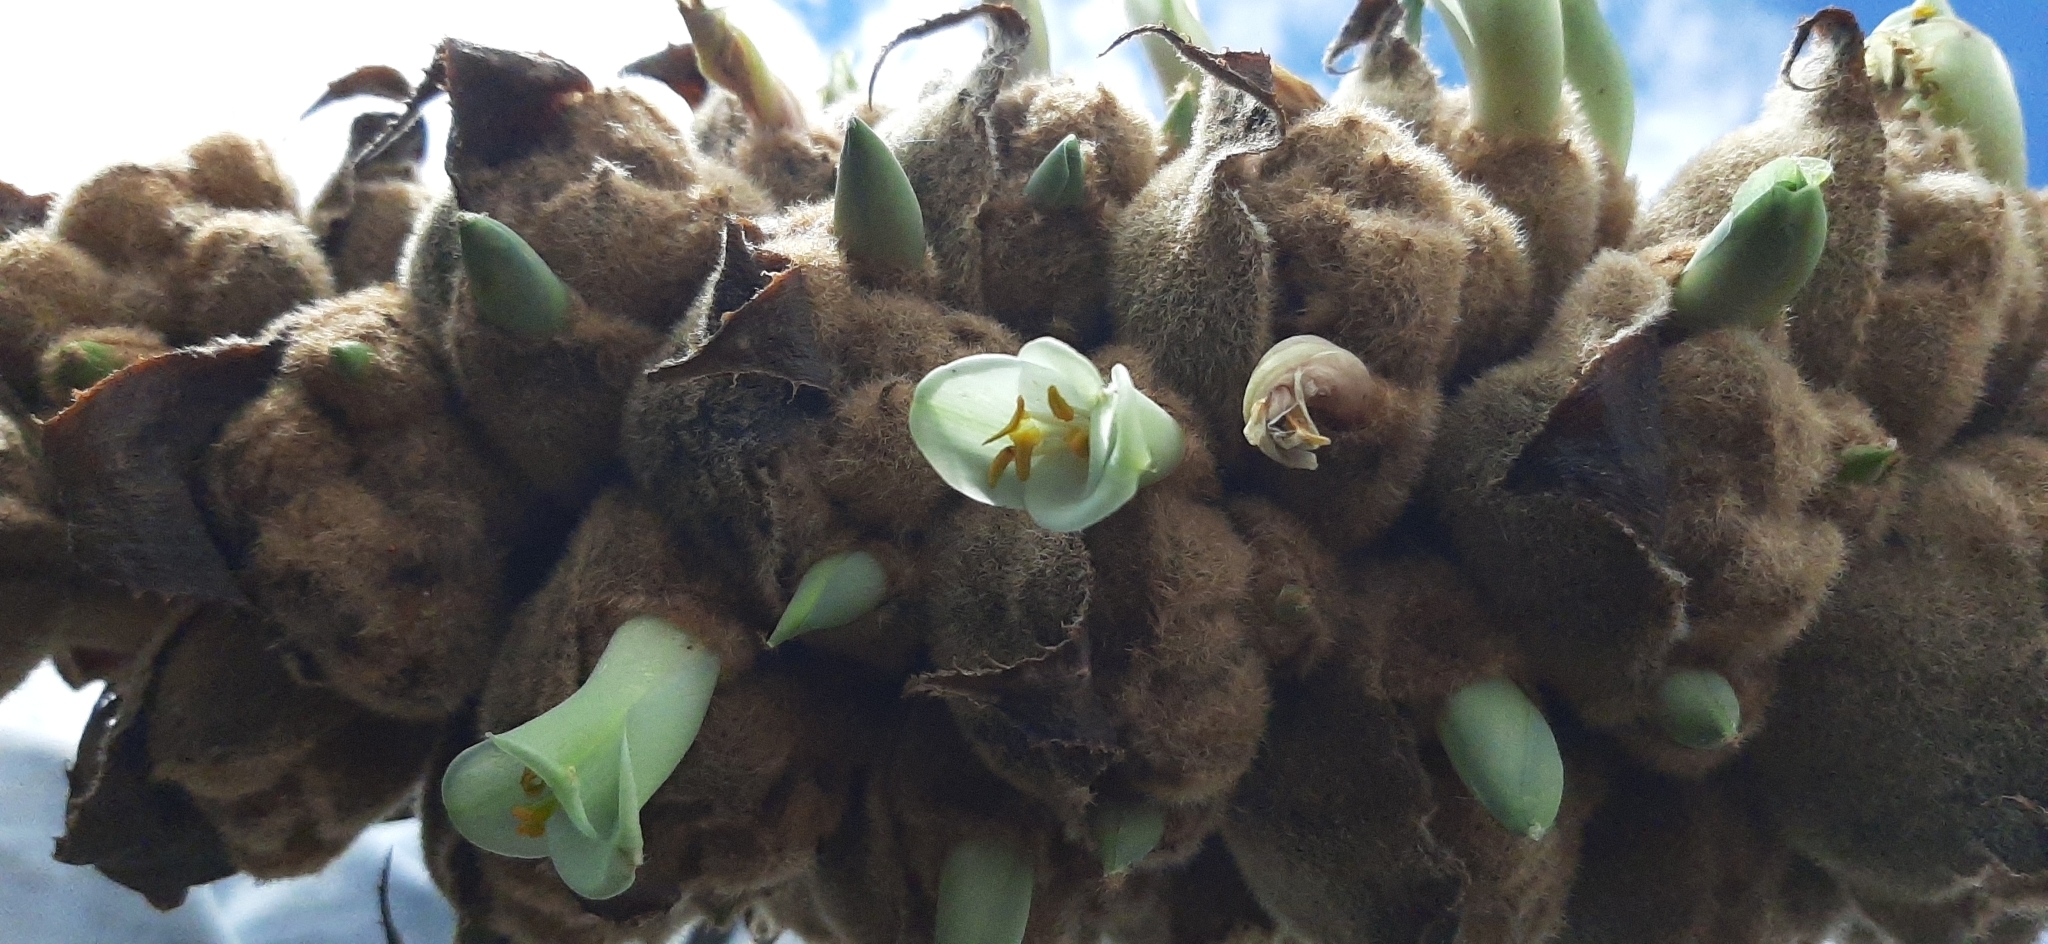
(1294, 373)
(1040, 431)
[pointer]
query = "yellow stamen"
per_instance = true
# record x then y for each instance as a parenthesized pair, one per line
(1015, 421)
(1077, 441)
(531, 783)
(1026, 439)
(1305, 431)
(1059, 405)
(1003, 460)
(533, 820)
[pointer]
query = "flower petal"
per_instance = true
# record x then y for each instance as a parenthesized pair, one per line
(479, 790)
(954, 409)
(1052, 361)
(601, 866)
(1165, 444)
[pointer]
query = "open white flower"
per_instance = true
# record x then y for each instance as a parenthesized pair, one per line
(1040, 431)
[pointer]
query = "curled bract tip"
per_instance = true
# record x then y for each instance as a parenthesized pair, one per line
(834, 592)
(1502, 748)
(512, 288)
(1699, 709)
(1041, 431)
(875, 214)
(1755, 262)
(1298, 375)
(569, 785)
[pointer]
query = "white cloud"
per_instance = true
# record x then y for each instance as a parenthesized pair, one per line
(1701, 71)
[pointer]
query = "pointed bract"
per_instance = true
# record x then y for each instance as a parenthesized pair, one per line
(1698, 708)
(875, 213)
(1502, 748)
(1061, 180)
(1749, 268)
(834, 592)
(512, 288)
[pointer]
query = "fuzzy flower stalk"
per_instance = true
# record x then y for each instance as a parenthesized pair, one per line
(569, 785)
(1041, 431)
(1514, 54)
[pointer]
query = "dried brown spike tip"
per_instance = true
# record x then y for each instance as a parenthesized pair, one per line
(1838, 33)
(1006, 42)
(506, 104)
(1604, 441)
(675, 67)
(1371, 23)
(379, 81)
(19, 210)
(773, 334)
(1247, 72)
(123, 450)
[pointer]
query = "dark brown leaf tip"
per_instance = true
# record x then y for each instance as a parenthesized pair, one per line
(20, 210)
(774, 334)
(1603, 442)
(125, 456)
(1247, 72)
(1836, 43)
(506, 104)
(675, 67)
(1011, 32)
(378, 81)
(1372, 24)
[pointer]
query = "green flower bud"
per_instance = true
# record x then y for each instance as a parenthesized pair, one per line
(513, 290)
(726, 56)
(874, 212)
(1503, 750)
(1748, 269)
(1514, 55)
(984, 894)
(1179, 127)
(1867, 465)
(1598, 70)
(80, 364)
(1126, 833)
(834, 592)
(1698, 709)
(1957, 76)
(1292, 604)
(1061, 180)
(352, 358)
(1176, 15)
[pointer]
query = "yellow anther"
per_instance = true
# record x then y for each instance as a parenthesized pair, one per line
(533, 820)
(1297, 422)
(1026, 439)
(1059, 405)
(531, 783)
(1016, 421)
(1077, 441)
(1002, 461)
(1924, 12)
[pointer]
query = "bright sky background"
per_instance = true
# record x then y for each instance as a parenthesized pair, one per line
(91, 84)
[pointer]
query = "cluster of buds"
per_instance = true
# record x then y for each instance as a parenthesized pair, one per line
(1002, 519)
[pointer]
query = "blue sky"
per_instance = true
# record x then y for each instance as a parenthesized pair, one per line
(82, 95)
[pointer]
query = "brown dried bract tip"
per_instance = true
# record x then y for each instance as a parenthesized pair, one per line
(675, 67)
(1371, 23)
(1005, 45)
(1248, 72)
(20, 211)
(379, 81)
(1833, 23)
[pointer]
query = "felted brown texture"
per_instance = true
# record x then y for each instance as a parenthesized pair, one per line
(1330, 828)
(2023, 336)
(1863, 511)
(371, 526)
(127, 345)
(235, 173)
(1047, 272)
(1669, 861)
(241, 269)
(1939, 312)
(1202, 902)
(2019, 464)
(1497, 318)
(1561, 541)
(793, 167)
(1904, 738)
(127, 216)
(47, 286)
(382, 218)
(1555, 187)
(1295, 607)
(1393, 74)
(1515, 888)
(21, 211)
(1822, 107)
(1617, 206)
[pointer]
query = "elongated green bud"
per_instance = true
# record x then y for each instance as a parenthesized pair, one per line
(1179, 127)
(513, 290)
(1037, 56)
(874, 212)
(80, 364)
(984, 894)
(1503, 750)
(1061, 180)
(1513, 51)
(834, 592)
(726, 56)
(840, 82)
(1748, 269)
(1698, 708)
(1411, 21)
(1598, 70)
(1126, 833)
(352, 358)
(1176, 15)
(1867, 465)
(1957, 76)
